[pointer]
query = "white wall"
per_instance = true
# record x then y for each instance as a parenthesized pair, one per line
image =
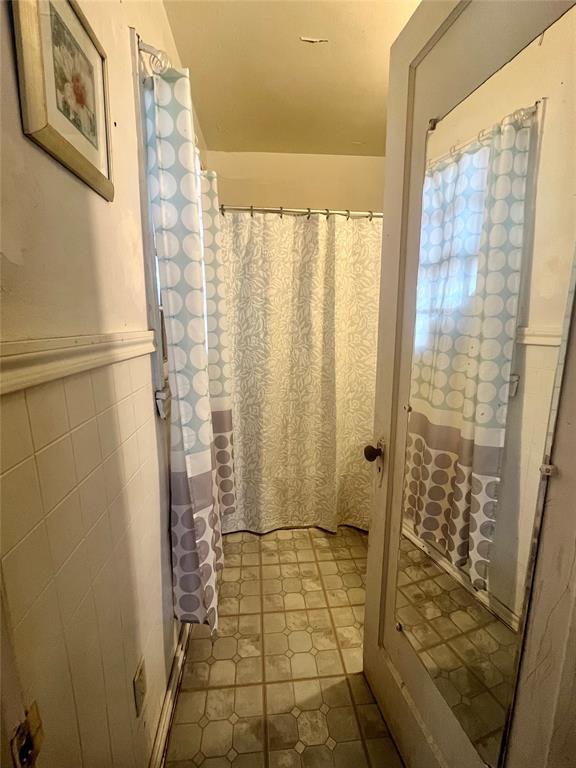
(543, 69)
(84, 510)
(63, 246)
(298, 181)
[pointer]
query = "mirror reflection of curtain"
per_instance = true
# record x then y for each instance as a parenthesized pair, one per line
(303, 316)
(471, 254)
(184, 207)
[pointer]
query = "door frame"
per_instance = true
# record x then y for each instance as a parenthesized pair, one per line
(440, 34)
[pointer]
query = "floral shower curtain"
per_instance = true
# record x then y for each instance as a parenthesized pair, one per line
(302, 313)
(186, 228)
(471, 255)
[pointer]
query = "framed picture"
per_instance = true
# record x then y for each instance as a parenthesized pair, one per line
(63, 88)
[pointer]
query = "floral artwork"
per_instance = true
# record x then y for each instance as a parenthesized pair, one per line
(74, 80)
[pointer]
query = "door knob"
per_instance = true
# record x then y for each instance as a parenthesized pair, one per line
(371, 453)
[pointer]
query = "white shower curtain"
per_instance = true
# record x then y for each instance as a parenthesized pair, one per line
(302, 314)
(184, 207)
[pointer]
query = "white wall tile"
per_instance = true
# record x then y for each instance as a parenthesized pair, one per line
(103, 387)
(126, 418)
(93, 499)
(109, 430)
(15, 436)
(113, 475)
(20, 503)
(79, 398)
(27, 569)
(143, 406)
(65, 528)
(131, 457)
(56, 471)
(119, 516)
(83, 531)
(73, 581)
(86, 447)
(48, 413)
(147, 440)
(42, 663)
(120, 701)
(122, 381)
(140, 373)
(99, 544)
(85, 656)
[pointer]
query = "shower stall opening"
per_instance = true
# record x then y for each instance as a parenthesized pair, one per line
(302, 310)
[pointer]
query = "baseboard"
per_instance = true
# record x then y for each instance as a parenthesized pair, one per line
(157, 759)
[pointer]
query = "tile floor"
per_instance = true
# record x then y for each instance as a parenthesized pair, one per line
(282, 685)
(468, 651)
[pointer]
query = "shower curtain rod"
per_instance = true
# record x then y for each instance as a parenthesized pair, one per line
(159, 60)
(252, 209)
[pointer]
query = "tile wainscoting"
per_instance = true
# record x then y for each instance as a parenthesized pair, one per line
(87, 588)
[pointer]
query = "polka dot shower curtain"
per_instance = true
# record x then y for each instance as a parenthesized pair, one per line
(185, 217)
(471, 258)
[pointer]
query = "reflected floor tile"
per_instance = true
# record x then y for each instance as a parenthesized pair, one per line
(468, 651)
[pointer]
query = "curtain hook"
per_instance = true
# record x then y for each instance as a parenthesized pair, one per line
(222, 209)
(309, 214)
(252, 211)
(327, 213)
(452, 150)
(371, 215)
(347, 214)
(281, 212)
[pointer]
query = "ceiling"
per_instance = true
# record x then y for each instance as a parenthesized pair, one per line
(257, 88)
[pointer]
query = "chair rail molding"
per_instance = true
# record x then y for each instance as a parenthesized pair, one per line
(27, 363)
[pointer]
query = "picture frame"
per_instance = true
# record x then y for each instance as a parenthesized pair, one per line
(64, 88)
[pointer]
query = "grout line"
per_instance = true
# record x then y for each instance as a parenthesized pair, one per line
(346, 676)
(262, 664)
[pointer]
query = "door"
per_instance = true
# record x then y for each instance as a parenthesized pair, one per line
(444, 54)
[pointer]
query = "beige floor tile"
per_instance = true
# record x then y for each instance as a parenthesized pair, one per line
(291, 617)
(342, 724)
(279, 698)
(190, 706)
(329, 663)
(249, 671)
(361, 692)
(382, 753)
(220, 704)
(350, 754)
(285, 758)
(371, 722)
(248, 735)
(216, 739)
(248, 701)
(353, 662)
(184, 741)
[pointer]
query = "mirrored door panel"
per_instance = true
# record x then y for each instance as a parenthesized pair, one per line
(495, 266)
